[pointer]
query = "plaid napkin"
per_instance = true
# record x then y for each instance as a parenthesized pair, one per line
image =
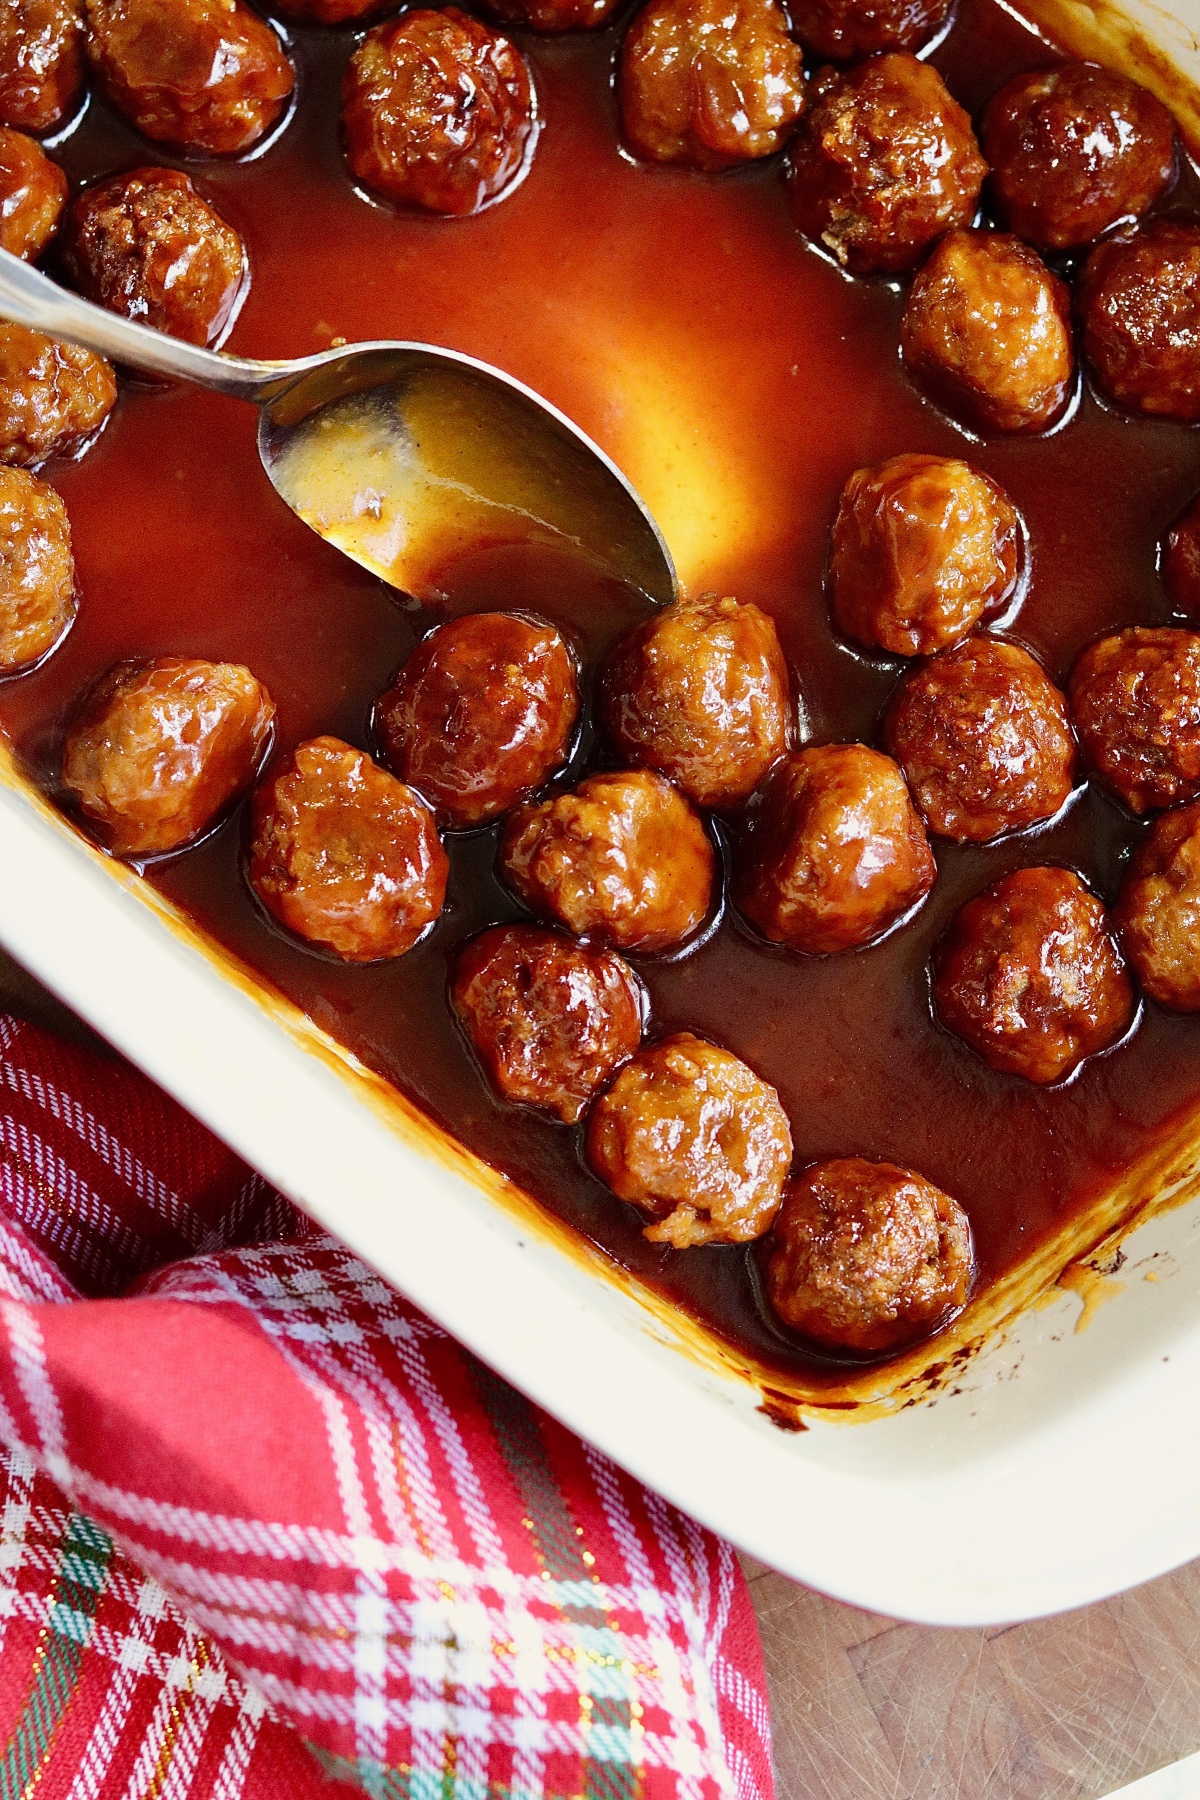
(265, 1530)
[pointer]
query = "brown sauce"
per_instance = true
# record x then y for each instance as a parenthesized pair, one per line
(739, 379)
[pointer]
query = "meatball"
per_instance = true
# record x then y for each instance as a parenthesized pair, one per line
(1139, 300)
(987, 329)
(845, 30)
(984, 739)
(865, 1256)
(1028, 974)
(344, 855)
(701, 693)
(37, 570)
(1158, 910)
(208, 76)
(555, 15)
(624, 859)
(158, 750)
(709, 84)
(695, 1139)
(834, 851)
(54, 397)
(923, 548)
(1135, 700)
(884, 163)
(33, 192)
(551, 1020)
(438, 112)
(42, 64)
(328, 12)
(483, 711)
(148, 246)
(1181, 561)
(1072, 150)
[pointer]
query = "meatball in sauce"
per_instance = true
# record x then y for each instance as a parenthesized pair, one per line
(1139, 303)
(845, 30)
(43, 68)
(54, 397)
(555, 15)
(33, 192)
(1158, 910)
(1181, 561)
(1135, 701)
(37, 570)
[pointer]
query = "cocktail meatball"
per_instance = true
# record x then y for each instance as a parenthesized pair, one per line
(709, 84)
(1158, 910)
(53, 396)
(481, 713)
(883, 164)
(346, 856)
(328, 12)
(42, 63)
(148, 246)
(1139, 300)
(555, 15)
(845, 30)
(551, 1020)
(157, 750)
(984, 739)
(923, 548)
(987, 329)
(37, 570)
(1181, 561)
(438, 111)
(865, 1256)
(1135, 700)
(701, 693)
(624, 859)
(33, 192)
(208, 76)
(834, 851)
(692, 1136)
(1072, 150)
(1028, 974)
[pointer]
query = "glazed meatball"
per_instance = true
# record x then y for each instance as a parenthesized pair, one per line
(1158, 910)
(54, 397)
(438, 112)
(33, 192)
(987, 329)
(624, 859)
(328, 12)
(701, 693)
(344, 855)
(1135, 700)
(207, 76)
(481, 713)
(42, 64)
(984, 739)
(555, 15)
(845, 30)
(692, 1136)
(37, 570)
(1181, 561)
(1139, 300)
(1072, 150)
(709, 84)
(1028, 974)
(884, 163)
(148, 246)
(834, 851)
(865, 1256)
(158, 750)
(551, 1020)
(923, 548)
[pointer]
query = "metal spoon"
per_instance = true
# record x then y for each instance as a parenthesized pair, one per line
(403, 455)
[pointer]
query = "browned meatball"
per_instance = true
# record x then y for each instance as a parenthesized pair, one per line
(148, 246)
(865, 1256)
(42, 65)
(987, 329)
(693, 1137)
(709, 84)
(53, 396)
(984, 739)
(33, 192)
(1139, 300)
(555, 15)
(1135, 700)
(624, 859)
(207, 76)
(438, 112)
(551, 1020)
(701, 693)
(328, 12)
(1158, 910)
(923, 548)
(1029, 975)
(834, 851)
(37, 570)
(1181, 560)
(157, 750)
(884, 163)
(346, 856)
(845, 30)
(481, 713)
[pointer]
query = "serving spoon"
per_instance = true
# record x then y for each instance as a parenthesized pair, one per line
(403, 455)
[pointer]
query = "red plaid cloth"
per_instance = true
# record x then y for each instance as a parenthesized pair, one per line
(309, 1521)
